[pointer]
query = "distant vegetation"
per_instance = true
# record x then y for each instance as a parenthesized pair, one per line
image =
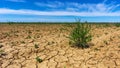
(117, 24)
(99, 24)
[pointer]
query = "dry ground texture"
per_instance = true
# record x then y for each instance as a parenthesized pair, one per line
(20, 44)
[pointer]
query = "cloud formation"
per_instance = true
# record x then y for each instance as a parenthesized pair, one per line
(78, 7)
(16, 0)
(55, 4)
(56, 13)
(68, 9)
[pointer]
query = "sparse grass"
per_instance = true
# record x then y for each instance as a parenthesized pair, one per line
(38, 59)
(36, 46)
(80, 36)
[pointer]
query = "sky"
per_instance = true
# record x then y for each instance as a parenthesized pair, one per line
(59, 10)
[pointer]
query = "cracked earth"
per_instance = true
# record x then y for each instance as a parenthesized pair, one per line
(17, 47)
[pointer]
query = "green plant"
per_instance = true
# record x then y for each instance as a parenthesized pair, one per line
(38, 59)
(36, 46)
(80, 35)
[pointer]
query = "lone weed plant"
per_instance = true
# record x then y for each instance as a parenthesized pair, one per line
(80, 35)
(39, 59)
(36, 46)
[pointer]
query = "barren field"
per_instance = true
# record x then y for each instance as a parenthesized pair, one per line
(20, 44)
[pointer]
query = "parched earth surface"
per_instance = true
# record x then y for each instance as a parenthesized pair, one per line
(20, 44)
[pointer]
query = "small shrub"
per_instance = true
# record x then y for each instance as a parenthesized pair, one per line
(38, 59)
(36, 46)
(80, 36)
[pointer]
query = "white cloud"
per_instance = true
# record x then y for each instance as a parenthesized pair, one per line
(73, 6)
(54, 4)
(16, 0)
(68, 8)
(56, 13)
(100, 7)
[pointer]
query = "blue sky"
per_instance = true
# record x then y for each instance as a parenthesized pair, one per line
(59, 10)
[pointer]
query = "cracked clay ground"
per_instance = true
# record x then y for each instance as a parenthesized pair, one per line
(17, 47)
